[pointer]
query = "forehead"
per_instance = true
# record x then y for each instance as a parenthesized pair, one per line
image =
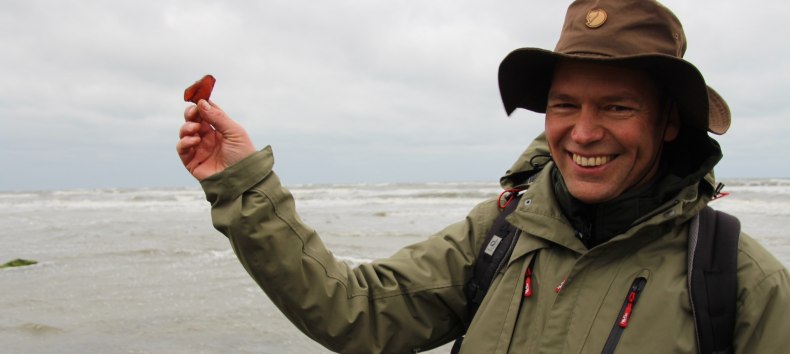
(576, 76)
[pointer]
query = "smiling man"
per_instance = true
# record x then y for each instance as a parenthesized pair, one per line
(606, 223)
(606, 127)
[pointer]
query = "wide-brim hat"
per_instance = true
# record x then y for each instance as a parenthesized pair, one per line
(634, 33)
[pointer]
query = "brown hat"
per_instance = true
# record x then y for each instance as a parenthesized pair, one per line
(641, 33)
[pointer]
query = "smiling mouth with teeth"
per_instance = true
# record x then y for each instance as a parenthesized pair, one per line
(592, 161)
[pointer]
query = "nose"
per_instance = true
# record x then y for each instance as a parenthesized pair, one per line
(587, 128)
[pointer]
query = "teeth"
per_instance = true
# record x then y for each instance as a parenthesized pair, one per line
(590, 161)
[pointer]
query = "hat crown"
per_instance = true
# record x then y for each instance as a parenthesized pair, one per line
(621, 28)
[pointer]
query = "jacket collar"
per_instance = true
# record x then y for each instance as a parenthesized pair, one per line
(544, 225)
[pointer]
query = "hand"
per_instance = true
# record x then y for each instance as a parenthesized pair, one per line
(210, 141)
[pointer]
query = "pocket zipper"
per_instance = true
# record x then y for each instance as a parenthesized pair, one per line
(624, 317)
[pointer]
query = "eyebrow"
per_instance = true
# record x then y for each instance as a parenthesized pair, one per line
(559, 96)
(618, 97)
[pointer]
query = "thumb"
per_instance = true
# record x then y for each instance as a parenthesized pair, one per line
(215, 116)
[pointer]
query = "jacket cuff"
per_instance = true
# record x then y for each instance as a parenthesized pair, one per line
(230, 183)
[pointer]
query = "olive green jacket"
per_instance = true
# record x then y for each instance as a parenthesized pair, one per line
(414, 300)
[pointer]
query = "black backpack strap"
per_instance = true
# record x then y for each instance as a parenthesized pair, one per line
(713, 282)
(497, 247)
(496, 250)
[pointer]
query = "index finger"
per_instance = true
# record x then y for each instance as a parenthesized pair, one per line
(191, 114)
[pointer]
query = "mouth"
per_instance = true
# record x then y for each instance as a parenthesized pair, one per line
(591, 161)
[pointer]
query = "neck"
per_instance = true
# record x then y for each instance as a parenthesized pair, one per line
(598, 223)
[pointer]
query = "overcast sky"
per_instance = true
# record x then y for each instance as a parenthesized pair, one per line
(345, 91)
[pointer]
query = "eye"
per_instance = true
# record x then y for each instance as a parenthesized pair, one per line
(619, 111)
(617, 108)
(561, 106)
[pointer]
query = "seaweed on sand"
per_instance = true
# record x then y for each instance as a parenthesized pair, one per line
(17, 263)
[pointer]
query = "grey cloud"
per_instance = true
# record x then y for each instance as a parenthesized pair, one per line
(99, 84)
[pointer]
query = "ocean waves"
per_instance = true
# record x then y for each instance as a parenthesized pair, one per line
(143, 270)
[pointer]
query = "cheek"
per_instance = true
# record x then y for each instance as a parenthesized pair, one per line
(552, 142)
(554, 132)
(644, 146)
(637, 135)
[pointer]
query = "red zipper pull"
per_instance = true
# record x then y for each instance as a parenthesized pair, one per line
(559, 287)
(528, 283)
(628, 308)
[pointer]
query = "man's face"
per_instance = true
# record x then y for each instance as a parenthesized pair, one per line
(605, 127)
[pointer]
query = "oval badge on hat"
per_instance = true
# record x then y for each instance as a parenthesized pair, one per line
(596, 18)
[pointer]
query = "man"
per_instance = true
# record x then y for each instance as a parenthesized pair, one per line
(604, 225)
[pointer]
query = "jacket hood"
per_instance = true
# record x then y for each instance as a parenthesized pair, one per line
(531, 160)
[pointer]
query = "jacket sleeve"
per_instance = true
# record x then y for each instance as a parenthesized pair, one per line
(411, 300)
(763, 307)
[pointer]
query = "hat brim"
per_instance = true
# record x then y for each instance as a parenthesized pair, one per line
(525, 78)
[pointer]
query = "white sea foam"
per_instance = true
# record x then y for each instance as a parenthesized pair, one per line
(104, 199)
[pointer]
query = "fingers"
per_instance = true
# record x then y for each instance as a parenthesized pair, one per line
(189, 137)
(189, 128)
(185, 148)
(191, 114)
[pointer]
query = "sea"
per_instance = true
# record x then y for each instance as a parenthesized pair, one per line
(143, 270)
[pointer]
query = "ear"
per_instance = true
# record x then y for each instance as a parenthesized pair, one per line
(673, 124)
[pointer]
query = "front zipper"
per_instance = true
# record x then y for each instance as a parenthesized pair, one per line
(626, 312)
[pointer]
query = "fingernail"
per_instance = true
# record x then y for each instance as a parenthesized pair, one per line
(204, 105)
